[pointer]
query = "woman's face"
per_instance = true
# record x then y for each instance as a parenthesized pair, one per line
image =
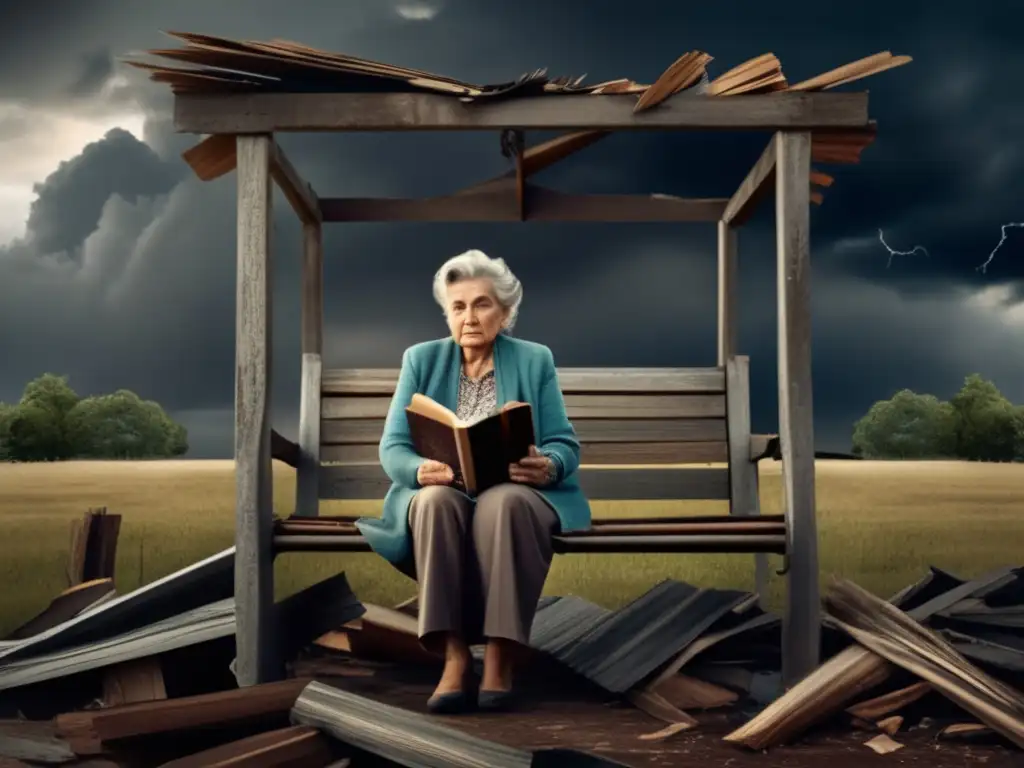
(474, 315)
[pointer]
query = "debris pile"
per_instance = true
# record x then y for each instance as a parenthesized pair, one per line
(143, 678)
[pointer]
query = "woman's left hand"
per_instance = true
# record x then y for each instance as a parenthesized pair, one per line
(535, 469)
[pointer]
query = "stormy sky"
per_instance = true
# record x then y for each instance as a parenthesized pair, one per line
(117, 266)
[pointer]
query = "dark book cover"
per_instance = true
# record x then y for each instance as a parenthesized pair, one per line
(434, 440)
(499, 440)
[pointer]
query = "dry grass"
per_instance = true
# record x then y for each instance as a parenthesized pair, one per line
(880, 524)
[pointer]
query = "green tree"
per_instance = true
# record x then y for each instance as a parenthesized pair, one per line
(6, 412)
(37, 426)
(987, 424)
(906, 426)
(124, 426)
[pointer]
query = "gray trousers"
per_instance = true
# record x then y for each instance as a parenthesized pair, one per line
(480, 570)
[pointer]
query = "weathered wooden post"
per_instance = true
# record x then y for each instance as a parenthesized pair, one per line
(254, 576)
(802, 624)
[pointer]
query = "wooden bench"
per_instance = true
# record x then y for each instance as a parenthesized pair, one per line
(645, 434)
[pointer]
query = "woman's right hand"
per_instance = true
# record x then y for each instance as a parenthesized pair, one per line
(432, 472)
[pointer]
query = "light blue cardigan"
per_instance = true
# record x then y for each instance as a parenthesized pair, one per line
(524, 371)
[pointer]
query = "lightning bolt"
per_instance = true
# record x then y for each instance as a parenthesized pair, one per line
(893, 252)
(999, 245)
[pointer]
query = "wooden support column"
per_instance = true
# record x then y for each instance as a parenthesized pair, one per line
(743, 480)
(255, 660)
(802, 621)
(307, 489)
(727, 293)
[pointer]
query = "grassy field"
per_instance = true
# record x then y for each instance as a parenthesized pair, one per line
(880, 524)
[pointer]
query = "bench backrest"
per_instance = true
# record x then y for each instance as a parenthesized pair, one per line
(638, 428)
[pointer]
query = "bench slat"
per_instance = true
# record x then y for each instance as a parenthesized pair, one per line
(382, 381)
(713, 543)
(368, 481)
(709, 452)
(577, 407)
(354, 431)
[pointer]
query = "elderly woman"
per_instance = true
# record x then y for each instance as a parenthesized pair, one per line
(480, 562)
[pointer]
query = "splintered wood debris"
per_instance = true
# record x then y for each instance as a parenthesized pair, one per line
(148, 671)
(218, 64)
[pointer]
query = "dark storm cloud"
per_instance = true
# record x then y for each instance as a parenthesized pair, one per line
(69, 202)
(97, 67)
(146, 302)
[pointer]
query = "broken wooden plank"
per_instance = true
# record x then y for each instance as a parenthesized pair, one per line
(693, 693)
(896, 637)
(212, 157)
(880, 706)
(883, 744)
(850, 673)
(297, 746)
(87, 732)
(94, 546)
(66, 606)
(133, 681)
(412, 739)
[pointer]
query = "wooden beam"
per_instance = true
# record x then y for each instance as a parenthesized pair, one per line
(273, 112)
(299, 193)
(802, 619)
(743, 473)
(307, 488)
(254, 577)
(755, 185)
(312, 301)
(212, 157)
(307, 496)
(728, 287)
(498, 202)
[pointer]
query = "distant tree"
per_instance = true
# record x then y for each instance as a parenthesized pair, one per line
(6, 411)
(987, 424)
(906, 426)
(1018, 454)
(37, 426)
(124, 426)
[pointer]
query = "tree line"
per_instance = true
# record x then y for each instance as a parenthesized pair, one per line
(52, 423)
(977, 424)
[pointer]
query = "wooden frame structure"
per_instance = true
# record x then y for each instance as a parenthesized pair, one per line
(254, 118)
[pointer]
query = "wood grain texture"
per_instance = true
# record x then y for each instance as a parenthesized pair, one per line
(756, 184)
(498, 202)
(743, 478)
(272, 112)
(307, 488)
(296, 190)
(312, 302)
(796, 421)
(710, 452)
(354, 431)
(382, 381)
(728, 293)
(368, 481)
(577, 407)
(254, 580)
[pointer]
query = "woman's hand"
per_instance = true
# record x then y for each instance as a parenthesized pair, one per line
(535, 469)
(432, 472)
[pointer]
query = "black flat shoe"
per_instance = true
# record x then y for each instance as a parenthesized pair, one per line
(450, 703)
(495, 701)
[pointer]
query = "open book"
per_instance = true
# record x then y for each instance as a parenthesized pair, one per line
(479, 451)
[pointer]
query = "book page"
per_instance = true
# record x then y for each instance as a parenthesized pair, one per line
(432, 409)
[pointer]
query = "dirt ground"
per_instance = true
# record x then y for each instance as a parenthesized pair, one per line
(557, 711)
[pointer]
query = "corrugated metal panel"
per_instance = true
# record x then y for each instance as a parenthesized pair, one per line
(617, 650)
(629, 645)
(199, 584)
(199, 625)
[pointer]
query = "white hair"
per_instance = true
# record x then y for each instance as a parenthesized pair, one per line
(476, 264)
